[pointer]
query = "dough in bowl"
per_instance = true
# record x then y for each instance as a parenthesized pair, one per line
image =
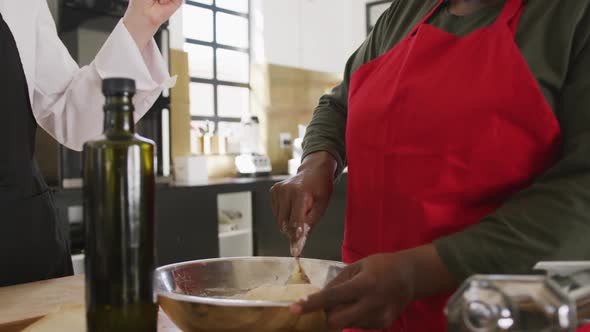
(279, 293)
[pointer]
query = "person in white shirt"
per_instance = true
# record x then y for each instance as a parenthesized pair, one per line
(40, 84)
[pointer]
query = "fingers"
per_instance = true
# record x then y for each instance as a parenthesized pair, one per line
(311, 213)
(281, 205)
(297, 215)
(284, 210)
(314, 215)
(172, 3)
(348, 273)
(295, 206)
(290, 208)
(366, 295)
(343, 293)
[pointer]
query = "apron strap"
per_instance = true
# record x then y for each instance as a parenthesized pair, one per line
(427, 17)
(511, 14)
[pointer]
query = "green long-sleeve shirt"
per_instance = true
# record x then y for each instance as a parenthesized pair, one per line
(550, 220)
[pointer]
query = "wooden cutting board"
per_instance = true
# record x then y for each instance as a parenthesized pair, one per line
(57, 303)
(68, 318)
(24, 304)
(72, 318)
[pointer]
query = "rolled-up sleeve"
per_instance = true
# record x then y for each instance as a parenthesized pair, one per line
(67, 100)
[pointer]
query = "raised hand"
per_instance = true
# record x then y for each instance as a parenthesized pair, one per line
(144, 17)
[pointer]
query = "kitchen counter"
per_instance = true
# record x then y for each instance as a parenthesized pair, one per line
(23, 305)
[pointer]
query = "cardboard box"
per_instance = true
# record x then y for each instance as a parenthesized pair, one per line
(179, 67)
(180, 116)
(198, 169)
(180, 129)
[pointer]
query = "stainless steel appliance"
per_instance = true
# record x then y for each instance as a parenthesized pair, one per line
(194, 294)
(556, 302)
(252, 161)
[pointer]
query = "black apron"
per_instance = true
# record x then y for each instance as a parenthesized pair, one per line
(32, 245)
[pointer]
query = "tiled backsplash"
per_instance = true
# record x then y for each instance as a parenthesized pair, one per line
(284, 97)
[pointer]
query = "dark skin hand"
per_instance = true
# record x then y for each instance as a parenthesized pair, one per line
(304, 197)
(373, 292)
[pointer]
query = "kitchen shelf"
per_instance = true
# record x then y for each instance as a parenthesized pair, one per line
(240, 242)
(239, 232)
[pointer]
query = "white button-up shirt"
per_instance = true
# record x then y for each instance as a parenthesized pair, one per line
(67, 100)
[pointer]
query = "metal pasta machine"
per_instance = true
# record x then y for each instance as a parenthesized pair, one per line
(558, 301)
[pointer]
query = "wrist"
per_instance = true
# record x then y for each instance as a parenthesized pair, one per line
(141, 28)
(403, 267)
(320, 160)
(423, 263)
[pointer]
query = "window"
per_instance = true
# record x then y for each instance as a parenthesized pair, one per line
(217, 40)
(374, 10)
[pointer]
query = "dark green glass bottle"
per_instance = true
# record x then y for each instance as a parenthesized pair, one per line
(119, 183)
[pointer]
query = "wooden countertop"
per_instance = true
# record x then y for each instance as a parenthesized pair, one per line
(22, 305)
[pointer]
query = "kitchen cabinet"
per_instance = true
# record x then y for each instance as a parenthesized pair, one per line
(186, 228)
(187, 221)
(316, 35)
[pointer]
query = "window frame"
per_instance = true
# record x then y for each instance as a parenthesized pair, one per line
(369, 6)
(215, 82)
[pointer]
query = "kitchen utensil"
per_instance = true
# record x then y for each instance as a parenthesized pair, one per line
(557, 302)
(195, 294)
(298, 236)
(298, 276)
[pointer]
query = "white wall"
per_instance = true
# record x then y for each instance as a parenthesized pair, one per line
(176, 30)
(311, 34)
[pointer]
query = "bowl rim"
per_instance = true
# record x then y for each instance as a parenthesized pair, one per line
(226, 302)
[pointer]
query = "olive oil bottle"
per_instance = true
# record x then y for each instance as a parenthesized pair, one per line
(119, 181)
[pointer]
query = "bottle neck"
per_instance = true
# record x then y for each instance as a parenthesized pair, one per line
(118, 117)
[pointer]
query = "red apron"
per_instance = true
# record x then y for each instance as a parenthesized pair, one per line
(441, 131)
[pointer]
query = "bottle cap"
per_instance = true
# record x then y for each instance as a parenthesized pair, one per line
(117, 86)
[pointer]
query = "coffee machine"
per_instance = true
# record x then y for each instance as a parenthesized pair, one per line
(251, 161)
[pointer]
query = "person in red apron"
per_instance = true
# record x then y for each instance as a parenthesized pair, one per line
(441, 131)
